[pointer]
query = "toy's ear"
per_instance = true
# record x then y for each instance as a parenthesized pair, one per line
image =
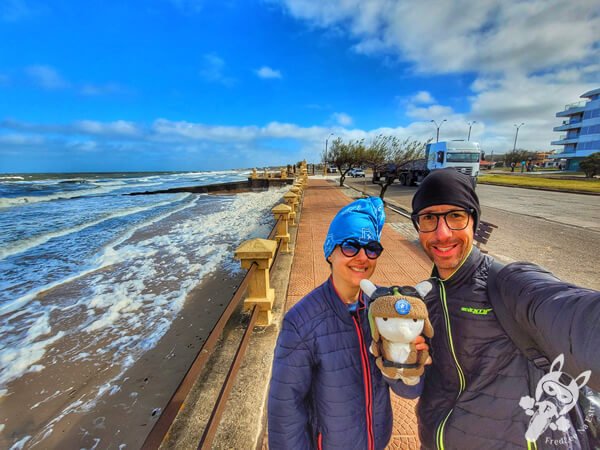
(428, 328)
(368, 287)
(424, 287)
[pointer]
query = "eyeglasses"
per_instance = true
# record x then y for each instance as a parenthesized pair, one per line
(350, 248)
(457, 219)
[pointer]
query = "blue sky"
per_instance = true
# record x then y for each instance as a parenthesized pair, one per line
(205, 85)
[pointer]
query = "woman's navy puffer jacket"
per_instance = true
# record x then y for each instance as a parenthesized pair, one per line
(326, 391)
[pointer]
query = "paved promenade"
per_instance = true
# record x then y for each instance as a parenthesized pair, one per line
(401, 263)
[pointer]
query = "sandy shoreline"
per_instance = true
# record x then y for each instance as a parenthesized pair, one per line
(125, 417)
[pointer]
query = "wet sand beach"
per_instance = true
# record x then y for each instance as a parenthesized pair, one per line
(125, 417)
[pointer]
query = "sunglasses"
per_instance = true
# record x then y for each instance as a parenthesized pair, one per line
(350, 248)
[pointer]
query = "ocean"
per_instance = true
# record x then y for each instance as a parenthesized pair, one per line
(91, 279)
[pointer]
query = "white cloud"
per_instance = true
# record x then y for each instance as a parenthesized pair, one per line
(46, 77)
(165, 129)
(117, 128)
(84, 146)
(342, 119)
(429, 112)
(462, 35)
(267, 72)
(534, 100)
(213, 70)
(422, 97)
(422, 106)
(20, 139)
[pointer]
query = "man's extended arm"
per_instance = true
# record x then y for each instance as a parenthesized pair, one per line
(561, 317)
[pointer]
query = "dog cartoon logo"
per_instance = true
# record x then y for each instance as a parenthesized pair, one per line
(553, 400)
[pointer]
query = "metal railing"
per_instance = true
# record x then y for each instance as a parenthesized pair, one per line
(215, 417)
(578, 104)
(164, 422)
(162, 426)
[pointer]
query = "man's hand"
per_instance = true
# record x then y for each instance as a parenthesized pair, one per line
(420, 344)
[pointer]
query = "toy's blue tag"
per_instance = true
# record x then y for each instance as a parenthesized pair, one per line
(402, 307)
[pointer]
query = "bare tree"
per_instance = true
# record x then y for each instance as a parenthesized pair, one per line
(346, 156)
(397, 154)
(377, 154)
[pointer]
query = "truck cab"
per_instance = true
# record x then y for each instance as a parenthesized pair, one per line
(463, 156)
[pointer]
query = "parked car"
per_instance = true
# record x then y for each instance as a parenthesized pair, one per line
(356, 173)
(331, 169)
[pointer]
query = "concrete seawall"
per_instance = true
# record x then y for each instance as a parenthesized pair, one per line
(222, 188)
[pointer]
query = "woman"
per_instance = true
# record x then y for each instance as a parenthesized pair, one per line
(326, 391)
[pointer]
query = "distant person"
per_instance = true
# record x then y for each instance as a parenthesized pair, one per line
(512, 166)
(523, 166)
(326, 390)
(471, 398)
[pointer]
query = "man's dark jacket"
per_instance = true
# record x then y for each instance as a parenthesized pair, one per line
(472, 390)
(326, 391)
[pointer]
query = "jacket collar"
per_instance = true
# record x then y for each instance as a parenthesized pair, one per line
(337, 304)
(465, 270)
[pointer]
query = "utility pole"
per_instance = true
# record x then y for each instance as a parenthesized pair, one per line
(325, 162)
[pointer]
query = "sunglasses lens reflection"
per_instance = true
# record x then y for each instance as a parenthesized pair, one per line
(373, 250)
(350, 248)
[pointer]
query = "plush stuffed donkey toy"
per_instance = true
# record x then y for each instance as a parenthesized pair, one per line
(397, 315)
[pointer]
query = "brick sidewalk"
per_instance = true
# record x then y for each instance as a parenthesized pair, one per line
(401, 263)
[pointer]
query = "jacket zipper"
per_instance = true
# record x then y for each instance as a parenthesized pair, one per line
(439, 435)
(367, 382)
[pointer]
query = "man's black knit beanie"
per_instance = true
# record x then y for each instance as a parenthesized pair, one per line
(447, 187)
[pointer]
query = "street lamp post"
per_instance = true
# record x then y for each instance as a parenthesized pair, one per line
(470, 125)
(517, 134)
(325, 162)
(437, 135)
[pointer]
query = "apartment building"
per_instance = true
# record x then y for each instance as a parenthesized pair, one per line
(581, 125)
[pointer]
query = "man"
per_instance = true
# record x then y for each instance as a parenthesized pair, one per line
(472, 392)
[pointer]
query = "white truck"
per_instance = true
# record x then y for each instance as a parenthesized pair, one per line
(463, 156)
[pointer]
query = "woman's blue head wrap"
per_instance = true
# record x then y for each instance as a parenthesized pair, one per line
(361, 220)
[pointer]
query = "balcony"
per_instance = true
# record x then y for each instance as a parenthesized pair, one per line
(572, 108)
(564, 140)
(568, 125)
(578, 104)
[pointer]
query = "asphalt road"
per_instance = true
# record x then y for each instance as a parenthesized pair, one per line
(558, 231)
